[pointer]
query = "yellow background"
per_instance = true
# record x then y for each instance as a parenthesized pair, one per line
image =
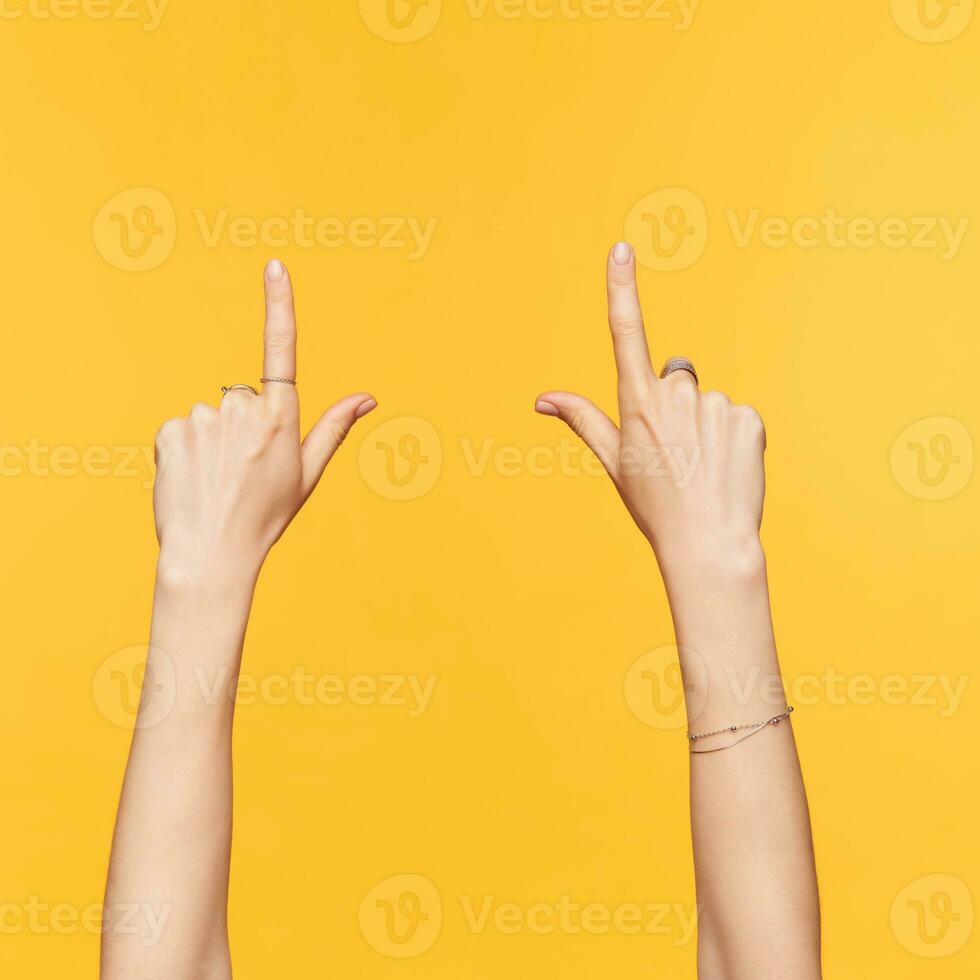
(529, 597)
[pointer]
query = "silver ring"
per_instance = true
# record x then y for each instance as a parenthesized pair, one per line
(679, 364)
(224, 391)
(281, 381)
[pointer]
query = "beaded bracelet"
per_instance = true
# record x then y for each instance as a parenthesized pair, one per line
(756, 727)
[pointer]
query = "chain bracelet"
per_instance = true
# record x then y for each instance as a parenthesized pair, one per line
(738, 728)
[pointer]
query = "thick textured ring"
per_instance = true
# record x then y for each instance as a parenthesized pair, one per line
(279, 381)
(224, 391)
(679, 364)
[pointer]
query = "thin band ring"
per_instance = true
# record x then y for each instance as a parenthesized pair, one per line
(224, 391)
(280, 381)
(679, 364)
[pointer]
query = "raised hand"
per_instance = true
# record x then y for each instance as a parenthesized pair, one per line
(689, 466)
(230, 479)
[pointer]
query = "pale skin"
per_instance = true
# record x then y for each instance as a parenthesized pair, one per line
(229, 482)
(753, 852)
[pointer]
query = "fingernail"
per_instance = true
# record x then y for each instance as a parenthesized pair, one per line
(369, 406)
(622, 253)
(545, 408)
(275, 270)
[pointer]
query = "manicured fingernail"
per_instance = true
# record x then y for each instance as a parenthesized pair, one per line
(275, 270)
(545, 408)
(369, 406)
(622, 253)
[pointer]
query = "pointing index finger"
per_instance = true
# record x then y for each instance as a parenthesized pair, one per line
(280, 329)
(626, 319)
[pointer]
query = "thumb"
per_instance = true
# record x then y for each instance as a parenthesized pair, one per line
(588, 422)
(324, 439)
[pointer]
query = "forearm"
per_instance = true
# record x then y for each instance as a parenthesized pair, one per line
(229, 481)
(756, 882)
(171, 850)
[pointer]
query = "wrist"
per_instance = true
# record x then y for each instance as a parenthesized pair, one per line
(690, 571)
(183, 574)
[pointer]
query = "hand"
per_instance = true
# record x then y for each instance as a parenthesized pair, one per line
(230, 479)
(689, 466)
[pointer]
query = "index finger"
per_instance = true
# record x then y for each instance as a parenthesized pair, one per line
(626, 320)
(280, 329)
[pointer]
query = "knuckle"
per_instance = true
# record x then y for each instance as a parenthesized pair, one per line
(751, 419)
(279, 340)
(238, 403)
(716, 401)
(626, 325)
(202, 412)
(681, 386)
(169, 432)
